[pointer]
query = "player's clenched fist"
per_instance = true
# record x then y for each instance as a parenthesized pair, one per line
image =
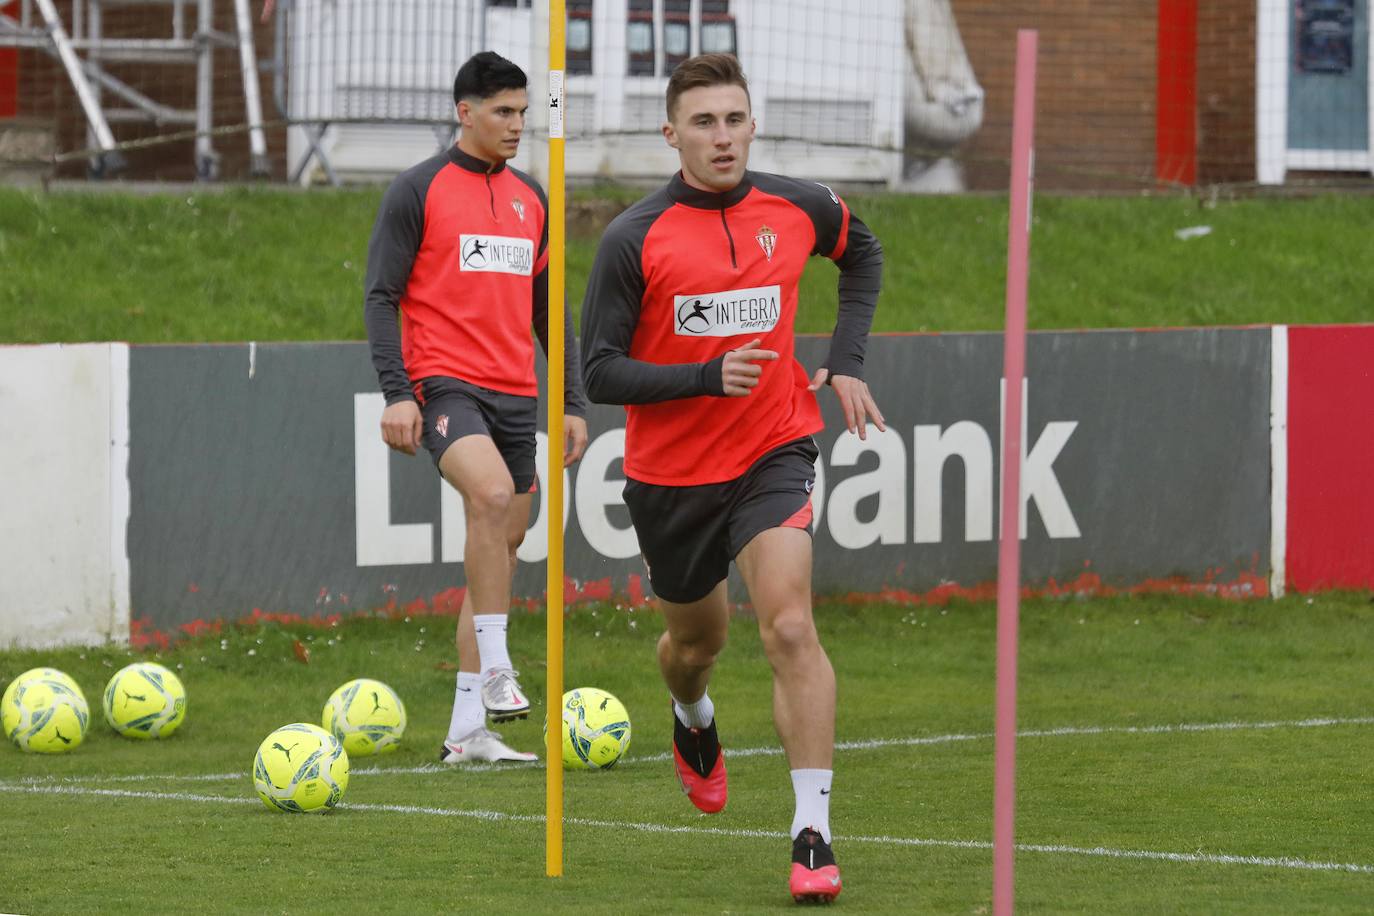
(402, 426)
(741, 370)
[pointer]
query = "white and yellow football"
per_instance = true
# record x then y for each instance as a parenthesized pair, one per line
(596, 729)
(144, 700)
(43, 711)
(300, 768)
(367, 716)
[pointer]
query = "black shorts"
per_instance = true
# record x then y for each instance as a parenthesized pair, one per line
(689, 535)
(453, 408)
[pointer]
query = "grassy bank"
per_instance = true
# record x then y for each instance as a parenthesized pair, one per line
(282, 265)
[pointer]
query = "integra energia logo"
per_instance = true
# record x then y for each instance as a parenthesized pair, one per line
(728, 313)
(496, 254)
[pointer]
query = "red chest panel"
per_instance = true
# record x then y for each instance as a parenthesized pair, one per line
(714, 281)
(467, 307)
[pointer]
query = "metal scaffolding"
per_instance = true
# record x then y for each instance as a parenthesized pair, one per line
(85, 53)
(361, 62)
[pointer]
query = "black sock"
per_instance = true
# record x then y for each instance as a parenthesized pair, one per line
(698, 747)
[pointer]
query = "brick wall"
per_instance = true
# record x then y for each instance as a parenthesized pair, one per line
(45, 91)
(1095, 90)
(1226, 91)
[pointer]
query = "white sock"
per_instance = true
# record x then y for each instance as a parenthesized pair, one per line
(812, 788)
(468, 711)
(695, 715)
(491, 641)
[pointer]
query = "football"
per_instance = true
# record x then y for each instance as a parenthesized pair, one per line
(596, 729)
(367, 716)
(300, 768)
(144, 700)
(44, 711)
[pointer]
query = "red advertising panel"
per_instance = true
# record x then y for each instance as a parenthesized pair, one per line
(1331, 457)
(9, 69)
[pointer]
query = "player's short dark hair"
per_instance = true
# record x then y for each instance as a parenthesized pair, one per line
(705, 70)
(485, 74)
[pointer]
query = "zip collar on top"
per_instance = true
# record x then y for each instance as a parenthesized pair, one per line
(472, 163)
(683, 193)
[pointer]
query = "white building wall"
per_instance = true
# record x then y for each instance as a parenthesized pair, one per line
(830, 76)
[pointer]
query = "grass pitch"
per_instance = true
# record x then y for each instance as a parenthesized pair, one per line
(1177, 755)
(274, 265)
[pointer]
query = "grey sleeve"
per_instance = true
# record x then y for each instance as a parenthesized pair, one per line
(610, 313)
(861, 279)
(574, 399)
(390, 254)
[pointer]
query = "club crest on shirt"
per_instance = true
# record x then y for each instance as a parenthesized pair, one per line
(768, 240)
(441, 426)
(518, 206)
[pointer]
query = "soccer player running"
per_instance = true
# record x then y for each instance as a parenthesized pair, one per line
(460, 250)
(688, 320)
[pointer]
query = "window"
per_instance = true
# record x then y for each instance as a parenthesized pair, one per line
(579, 36)
(1326, 30)
(677, 33)
(714, 33)
(639, 38)
(717, 37)
(717, 28)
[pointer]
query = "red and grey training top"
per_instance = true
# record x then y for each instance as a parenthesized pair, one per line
(460, 247)
(685, 276)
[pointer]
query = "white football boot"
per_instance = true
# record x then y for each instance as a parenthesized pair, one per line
(502, 696)
(482, 745)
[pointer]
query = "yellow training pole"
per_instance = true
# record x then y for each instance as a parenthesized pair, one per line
(553, 751)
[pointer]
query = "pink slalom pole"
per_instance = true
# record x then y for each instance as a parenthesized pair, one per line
(1009, 555)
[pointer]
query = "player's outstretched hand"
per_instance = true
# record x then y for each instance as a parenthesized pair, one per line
(267, 10)
(402, 425)
(741, 370)
(855, 400)
(574, 438)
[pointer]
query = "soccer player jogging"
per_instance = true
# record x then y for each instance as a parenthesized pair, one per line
(688, 320)
(460, 249)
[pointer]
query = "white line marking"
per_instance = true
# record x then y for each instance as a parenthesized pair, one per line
(1065, 731)
(246, 776)
(131, 777)
(1287, 862)
(771, 751)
